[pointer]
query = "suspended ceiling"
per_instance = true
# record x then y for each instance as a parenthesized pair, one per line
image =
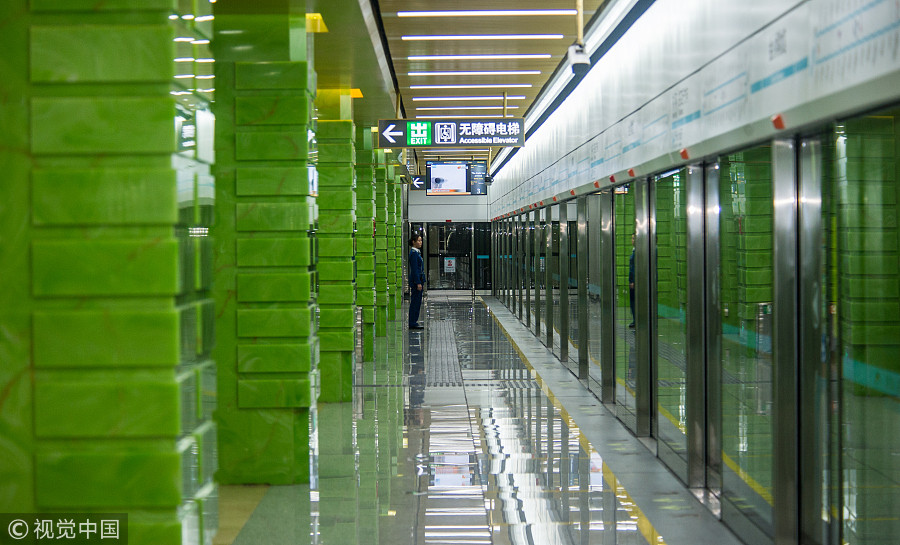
(350, 55)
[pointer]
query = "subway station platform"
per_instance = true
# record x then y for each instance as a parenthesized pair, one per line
(472, 432)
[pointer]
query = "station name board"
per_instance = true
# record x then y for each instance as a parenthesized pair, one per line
(450, 133)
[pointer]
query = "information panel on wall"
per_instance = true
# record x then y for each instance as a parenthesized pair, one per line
(451, 133)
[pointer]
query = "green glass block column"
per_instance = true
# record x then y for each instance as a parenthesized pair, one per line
(107, 380)
(383, 172)
(393, 303)
(265, 255)
(365, 238)
(339, 480)
(337, 266)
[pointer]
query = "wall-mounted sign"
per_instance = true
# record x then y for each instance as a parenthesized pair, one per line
(449, 264)
(450, 133)
(417, 183)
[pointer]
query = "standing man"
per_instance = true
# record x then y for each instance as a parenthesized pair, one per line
(416, 269)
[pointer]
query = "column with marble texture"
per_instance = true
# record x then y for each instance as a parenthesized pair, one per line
(265, 253)
(365, 238)
(107, 380)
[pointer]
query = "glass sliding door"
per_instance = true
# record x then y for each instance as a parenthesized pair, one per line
(572, 283)
(449, 256)
(670, 317)
(596, 323)
(745, 299)
(554, 340)
(860, 293)
(625, 349)
(482, 234)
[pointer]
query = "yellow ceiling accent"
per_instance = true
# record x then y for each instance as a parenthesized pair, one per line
(315, 23)
(356, 93)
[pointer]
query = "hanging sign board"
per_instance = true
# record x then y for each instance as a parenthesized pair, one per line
(451, 133)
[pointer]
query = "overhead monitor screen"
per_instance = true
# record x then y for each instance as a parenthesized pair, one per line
(448, 178)
(478, 171)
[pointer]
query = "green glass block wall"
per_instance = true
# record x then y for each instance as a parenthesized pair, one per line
(383, 172)
(268, 348)
(108, 381)
(399, 257)
(365, 238)
(336, 265)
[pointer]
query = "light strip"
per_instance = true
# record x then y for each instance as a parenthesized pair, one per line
(460, 116)
(485, 37)
(440, 108)
(495, 97)
(475, 86)
(486, 12)
(479, 73)
(509, 56)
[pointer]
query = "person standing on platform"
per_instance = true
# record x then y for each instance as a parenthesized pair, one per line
(416, 267)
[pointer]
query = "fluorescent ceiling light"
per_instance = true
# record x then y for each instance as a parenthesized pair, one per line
(460, 116)
(475, 86)
(486, 12)
(439, 108)
(485, 37)
(478, 73)
(495, 97)
(479, 57)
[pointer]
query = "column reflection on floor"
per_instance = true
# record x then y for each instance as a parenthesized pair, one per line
(453, 442)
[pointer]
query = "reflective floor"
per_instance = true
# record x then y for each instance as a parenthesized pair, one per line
(453, 438)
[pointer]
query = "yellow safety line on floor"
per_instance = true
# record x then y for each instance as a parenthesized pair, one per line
(625, 501)
(236, 504)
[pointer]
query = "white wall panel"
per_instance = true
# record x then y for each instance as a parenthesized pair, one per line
(707, 75)
(441, 208)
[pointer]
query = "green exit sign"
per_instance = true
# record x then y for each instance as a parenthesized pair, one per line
(418, 133)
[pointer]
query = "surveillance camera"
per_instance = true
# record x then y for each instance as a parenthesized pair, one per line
(578, 60)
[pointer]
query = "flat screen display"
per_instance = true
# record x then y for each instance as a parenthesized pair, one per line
(448, 178)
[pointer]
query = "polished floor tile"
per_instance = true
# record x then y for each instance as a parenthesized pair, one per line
(453, 439)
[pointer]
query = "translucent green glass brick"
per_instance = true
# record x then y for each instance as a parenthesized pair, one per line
(276, 358)
(283, 145)
(94, 53)
(272, 110)
(67, 406)
(274, 252)
(366, 209)
(344, 293)
(119, 125)
(334, 178)
(271, 287)
(272, 216)
(337, 223)
(365, 262)
(272, 181)
(333, 341)
(271, 75)
(330, 318)
(365, 244)
(110, 337)
(338, 269)
(339, 246)
(108, 5)
(273, 393)
(336, 129)
(368, 313)
(107, 196)
(365, 296)
(116, 267)
(365, 280)
(336, 199)
(336, 153)
(290, 322)
(72, 480)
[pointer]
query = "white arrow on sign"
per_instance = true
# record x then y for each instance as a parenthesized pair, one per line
(417, 182)
(389, 132)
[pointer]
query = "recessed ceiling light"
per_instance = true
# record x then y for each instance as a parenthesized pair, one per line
(478, 73)
(479, 57)
(495, 97)
(486, 37)
(439, 108)
(486, 12)
(475, 86)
